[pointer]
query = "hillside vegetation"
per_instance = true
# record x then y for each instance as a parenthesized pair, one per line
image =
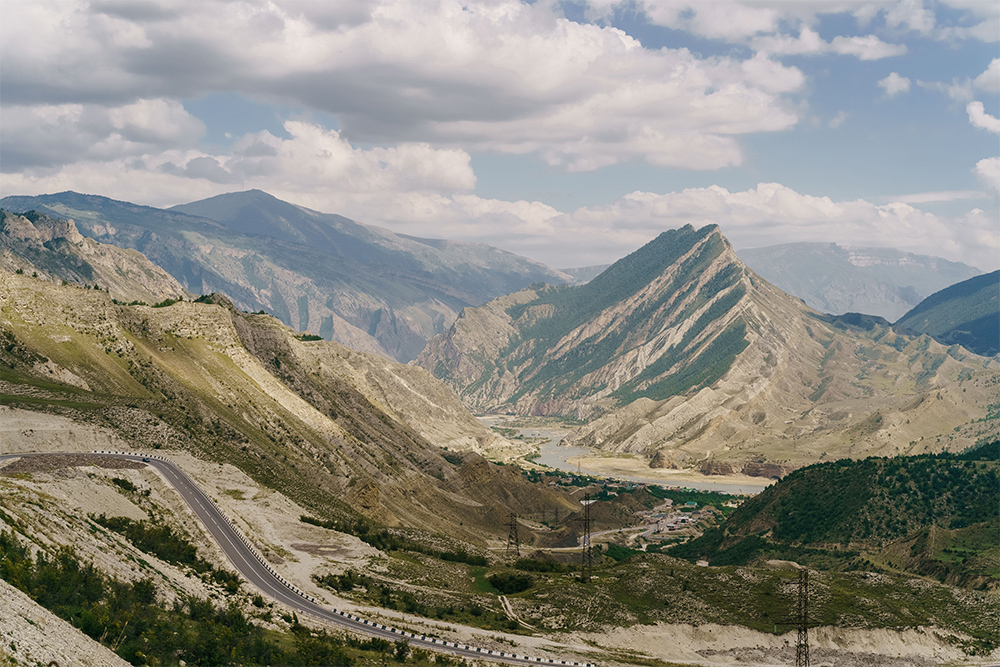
(966, 314)
(339, 432)
(930, 515)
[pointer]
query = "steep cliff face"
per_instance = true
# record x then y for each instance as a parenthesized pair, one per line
(55, 250)
(681, 354)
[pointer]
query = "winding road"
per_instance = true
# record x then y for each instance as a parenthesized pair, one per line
(248, 561)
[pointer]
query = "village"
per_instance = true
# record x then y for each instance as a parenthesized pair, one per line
(639, 526)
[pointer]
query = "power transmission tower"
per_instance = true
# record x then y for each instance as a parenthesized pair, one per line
(586, 558)
(801, 620)
(802, 647)
(513, 544)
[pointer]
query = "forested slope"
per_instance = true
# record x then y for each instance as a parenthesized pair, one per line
(966, 314)
(942, 508)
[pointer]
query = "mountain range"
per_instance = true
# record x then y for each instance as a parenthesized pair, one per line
(841, 279)
(378, 291)
(362, 286)
(682, 355)
(678, 353)
(363, 480)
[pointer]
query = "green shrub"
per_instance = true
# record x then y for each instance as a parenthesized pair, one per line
(511, 583)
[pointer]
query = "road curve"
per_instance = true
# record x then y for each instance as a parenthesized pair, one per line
(248, 561)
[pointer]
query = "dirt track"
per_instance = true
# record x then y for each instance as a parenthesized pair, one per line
(50, 462)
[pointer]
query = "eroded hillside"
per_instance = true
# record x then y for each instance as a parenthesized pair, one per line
(682, 355)
(54, 249)
(330, 427)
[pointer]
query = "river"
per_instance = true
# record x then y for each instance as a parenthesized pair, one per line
(555, 456)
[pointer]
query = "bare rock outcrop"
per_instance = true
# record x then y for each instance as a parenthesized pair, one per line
(55, 250)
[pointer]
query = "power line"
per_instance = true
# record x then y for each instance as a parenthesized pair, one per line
(801, 620)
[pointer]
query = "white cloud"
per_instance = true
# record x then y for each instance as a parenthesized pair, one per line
(982, 21)
(894, 84)
(988, 171)
(498, 75)
(772, 213)
(868, 47)
(314, 164)
(51, 135)
(768, 214)
(979, 118)
(934, 197)
(959, 90)
(989, 80)
(838, 120)
(911, 15)
(740, 21)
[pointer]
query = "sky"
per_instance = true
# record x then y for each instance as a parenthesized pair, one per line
(568, 132)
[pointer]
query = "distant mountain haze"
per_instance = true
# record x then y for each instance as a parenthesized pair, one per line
(584, 274)
(365, 287)
(837, 279)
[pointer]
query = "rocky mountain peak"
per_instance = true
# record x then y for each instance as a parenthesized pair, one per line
(681, 354)
(53, 249)
(34, 226)
(642, 328)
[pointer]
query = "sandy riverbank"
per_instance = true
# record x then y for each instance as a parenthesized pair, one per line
(637, 468)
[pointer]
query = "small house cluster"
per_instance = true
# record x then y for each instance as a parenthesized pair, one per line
(667, 519)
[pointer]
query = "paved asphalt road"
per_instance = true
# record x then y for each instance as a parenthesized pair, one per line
(260, 574)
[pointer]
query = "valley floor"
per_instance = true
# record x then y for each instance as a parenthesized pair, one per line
(635, 469)
(541, 439)
(53, 506)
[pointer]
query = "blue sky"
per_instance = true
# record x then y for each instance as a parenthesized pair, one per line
(568, 132)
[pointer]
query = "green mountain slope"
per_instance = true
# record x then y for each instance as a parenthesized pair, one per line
(654, 324)
(966, 314)
(930, 515)
(836, 279)
(364, 287)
